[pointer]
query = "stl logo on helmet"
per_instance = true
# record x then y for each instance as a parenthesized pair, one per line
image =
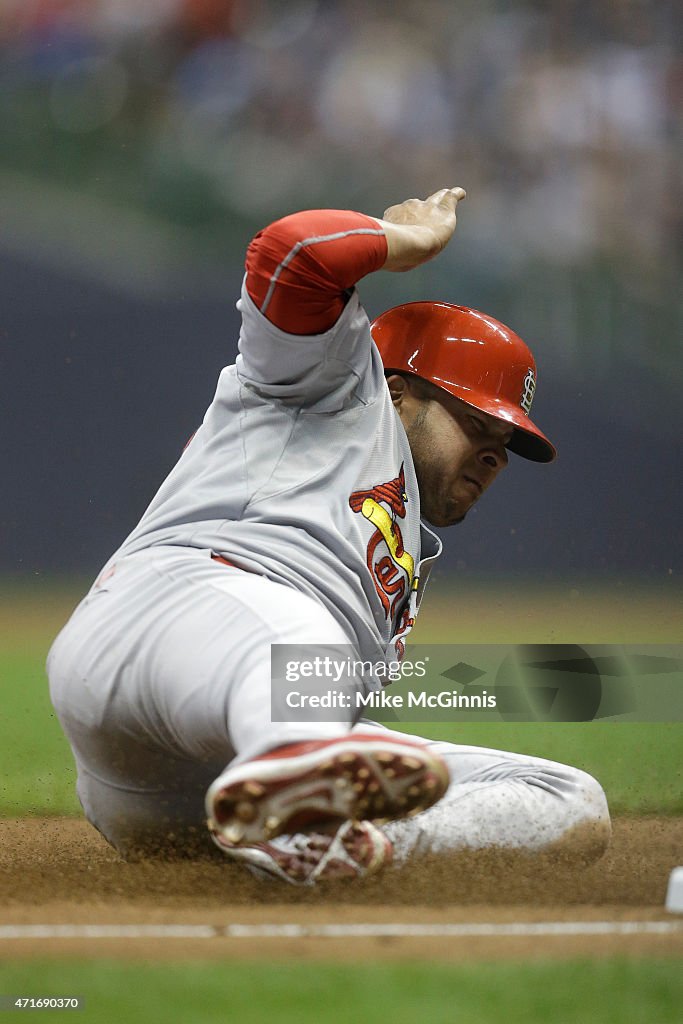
(392, 573)
(528, 393)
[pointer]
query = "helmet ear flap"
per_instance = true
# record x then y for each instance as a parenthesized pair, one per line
(472, 357)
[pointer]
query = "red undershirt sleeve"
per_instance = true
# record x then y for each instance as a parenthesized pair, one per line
(300, 268)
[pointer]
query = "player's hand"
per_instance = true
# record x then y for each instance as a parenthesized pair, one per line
(418, 229)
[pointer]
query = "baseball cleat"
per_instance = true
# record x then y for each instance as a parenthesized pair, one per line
(315, 786)
(356, 850)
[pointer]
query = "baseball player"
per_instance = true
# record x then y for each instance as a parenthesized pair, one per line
(294, 515)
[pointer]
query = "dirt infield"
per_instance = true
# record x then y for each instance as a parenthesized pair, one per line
(59, 871)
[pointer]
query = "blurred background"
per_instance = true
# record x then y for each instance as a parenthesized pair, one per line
(143, 143)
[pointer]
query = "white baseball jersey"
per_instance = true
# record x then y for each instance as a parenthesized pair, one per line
(301, 471)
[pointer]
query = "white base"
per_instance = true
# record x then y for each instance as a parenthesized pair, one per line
(674, 892)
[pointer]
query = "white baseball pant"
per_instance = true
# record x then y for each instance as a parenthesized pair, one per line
(161, 678)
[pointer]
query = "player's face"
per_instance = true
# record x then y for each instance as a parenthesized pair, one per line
(458, 452)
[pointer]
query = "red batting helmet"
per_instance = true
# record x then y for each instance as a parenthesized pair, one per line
(469, 355)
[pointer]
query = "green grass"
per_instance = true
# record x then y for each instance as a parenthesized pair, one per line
(616, 991)
(38, 769)
(640, 765)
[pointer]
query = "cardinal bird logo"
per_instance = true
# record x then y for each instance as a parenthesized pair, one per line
(392, 572)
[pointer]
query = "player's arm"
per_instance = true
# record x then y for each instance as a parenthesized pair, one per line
(300, 269)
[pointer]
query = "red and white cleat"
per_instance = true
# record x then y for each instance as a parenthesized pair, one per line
(356, 850)
(316, 786)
